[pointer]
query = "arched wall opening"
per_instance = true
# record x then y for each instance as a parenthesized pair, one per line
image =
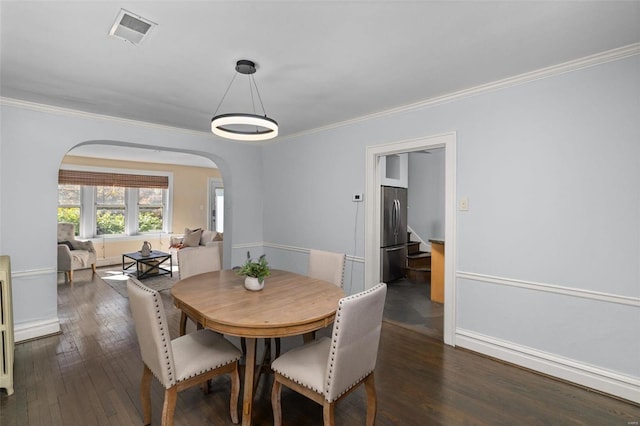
(190, 175)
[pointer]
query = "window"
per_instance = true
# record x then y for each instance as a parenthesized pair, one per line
(150, 209)
(69, 206)
(115, 204)
(110, 210)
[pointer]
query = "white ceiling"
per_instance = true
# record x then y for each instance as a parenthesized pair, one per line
(319, 62)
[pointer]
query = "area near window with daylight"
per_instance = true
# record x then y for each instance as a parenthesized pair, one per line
(129, 204)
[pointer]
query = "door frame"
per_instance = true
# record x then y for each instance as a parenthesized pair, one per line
(372, 216)
(214, 182)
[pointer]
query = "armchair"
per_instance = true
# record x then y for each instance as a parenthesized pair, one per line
(73, 254)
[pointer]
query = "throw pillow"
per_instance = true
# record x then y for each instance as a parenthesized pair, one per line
(67, 243)
(207, 237)
(192, 238)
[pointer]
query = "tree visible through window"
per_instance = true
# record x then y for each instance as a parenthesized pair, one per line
(150, 209)
(110, 210)
(112, 203)
(69, 205)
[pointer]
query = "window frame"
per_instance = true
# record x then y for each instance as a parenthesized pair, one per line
(88, 220)
(73, 206)
(137, 210)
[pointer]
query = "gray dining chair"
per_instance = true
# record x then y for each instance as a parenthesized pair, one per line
(180, 363)
(327, 266)
(328, 369)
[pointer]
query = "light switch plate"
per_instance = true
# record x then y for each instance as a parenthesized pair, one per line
(464, 204)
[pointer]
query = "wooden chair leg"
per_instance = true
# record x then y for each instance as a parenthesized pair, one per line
(328, 413)
(93, 267)
(145, 395)
(70, 275)
(278, 346)
(169, 406)
(235, 394)
(275, 403)
(183, 323)
(372, 400)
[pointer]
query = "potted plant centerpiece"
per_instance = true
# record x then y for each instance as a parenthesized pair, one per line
(254, 272)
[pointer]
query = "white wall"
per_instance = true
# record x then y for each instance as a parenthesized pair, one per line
(548, 255)
(34, 141)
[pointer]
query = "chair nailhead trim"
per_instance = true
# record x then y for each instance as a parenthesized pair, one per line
(334, 342)
(162, 332)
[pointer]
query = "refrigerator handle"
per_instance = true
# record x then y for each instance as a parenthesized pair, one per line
(393, 218)
(396, 216)
(399, 221)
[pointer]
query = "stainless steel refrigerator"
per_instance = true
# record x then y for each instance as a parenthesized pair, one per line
(393, 233)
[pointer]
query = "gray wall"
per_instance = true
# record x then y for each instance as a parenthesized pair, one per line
(548, 255)
(547, 258)
(33, 145)
(426, 194)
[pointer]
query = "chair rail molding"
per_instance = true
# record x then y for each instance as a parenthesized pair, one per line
(551, 288)
(349, 257)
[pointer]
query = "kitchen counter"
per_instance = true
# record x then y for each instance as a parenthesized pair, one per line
(437, 270)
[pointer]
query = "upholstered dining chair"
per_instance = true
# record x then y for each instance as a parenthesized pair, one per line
(327, 266)
(328, 369)
(194, 262)
(180, 363)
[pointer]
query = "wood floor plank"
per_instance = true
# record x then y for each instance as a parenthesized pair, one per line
(90, 375)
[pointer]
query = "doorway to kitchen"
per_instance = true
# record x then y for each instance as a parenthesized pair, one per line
(414, 300)
(373, 216)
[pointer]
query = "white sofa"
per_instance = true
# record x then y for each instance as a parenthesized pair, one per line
(189, 243)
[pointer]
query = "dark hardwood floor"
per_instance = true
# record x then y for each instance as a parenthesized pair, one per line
(89, 375)
(408, 304)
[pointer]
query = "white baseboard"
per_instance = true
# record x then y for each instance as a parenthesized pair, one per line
(609, 382)
(36, 329)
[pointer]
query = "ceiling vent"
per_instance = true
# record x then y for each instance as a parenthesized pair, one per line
(131, 27)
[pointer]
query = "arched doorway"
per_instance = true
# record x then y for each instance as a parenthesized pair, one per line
(186, 198)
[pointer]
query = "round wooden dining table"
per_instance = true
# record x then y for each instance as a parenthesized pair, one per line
(289, 304)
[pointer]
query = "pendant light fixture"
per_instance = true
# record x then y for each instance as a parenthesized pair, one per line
(244, 126)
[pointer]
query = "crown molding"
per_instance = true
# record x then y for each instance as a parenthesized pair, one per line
(574, 65)
(33, 106)
(577, 64)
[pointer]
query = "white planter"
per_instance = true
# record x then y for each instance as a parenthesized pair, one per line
(252, 283)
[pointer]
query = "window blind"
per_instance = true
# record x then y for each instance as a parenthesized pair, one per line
(78, 177)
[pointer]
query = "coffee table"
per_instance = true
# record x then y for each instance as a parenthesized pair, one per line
(147, 266)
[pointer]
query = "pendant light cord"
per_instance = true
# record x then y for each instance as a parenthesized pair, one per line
(225, 94)
(259, 97)
(251, 79)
